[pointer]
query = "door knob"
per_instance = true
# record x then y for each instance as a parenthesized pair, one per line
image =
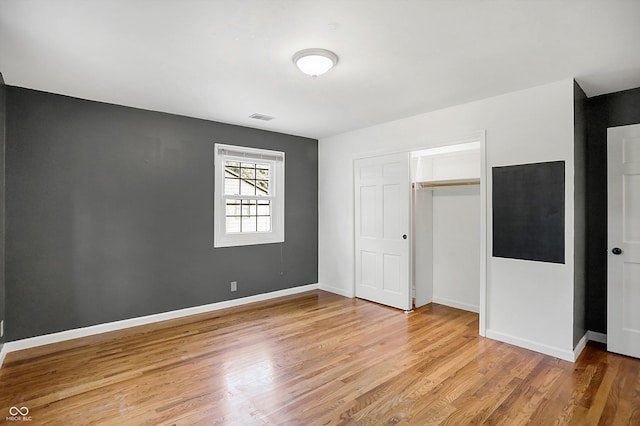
(616, 251)
(404, 237)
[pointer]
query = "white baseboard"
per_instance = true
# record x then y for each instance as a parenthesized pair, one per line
(597, 337)
(148, 319)
(456, 304)
(338, 290)
(3, 353)
(564, 354)
(580, 346)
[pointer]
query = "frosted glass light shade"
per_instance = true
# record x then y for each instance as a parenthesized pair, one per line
(315, 62)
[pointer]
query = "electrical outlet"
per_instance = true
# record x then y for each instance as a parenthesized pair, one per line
(234, 285)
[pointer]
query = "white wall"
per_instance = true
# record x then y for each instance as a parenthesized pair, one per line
(528, 303)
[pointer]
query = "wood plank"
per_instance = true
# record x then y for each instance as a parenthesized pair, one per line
(316, 358)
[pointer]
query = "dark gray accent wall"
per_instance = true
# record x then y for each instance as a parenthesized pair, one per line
(615, 109)
(3, 115)
(580, 213)
(110, 214)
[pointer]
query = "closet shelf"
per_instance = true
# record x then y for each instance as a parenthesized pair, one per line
(449, 182)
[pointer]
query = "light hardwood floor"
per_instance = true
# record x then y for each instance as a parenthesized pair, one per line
(315, 358)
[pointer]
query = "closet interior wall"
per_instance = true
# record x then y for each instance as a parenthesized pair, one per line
(446, 229)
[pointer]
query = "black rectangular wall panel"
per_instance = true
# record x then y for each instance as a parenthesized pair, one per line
(528, 212)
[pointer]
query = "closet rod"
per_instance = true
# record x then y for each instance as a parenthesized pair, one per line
(449, 183)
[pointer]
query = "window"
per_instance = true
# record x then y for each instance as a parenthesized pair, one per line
(249, 196)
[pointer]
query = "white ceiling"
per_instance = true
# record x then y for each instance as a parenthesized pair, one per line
(224, 60)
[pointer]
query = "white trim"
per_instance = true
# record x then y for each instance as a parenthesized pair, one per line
(3, 353)
(148, 319)
(597, 337)
(564, 354)
(337, 290)
(456, 304)
(484, 248)
(276, 161)
(580, 346)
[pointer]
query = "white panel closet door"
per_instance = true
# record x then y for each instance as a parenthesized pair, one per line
(382, 225)
(623, 280)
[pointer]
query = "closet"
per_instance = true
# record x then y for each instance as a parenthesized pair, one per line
(446, 226)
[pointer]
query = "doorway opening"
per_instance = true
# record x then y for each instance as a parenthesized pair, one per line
(446, 226)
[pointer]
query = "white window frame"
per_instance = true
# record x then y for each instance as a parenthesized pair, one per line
(275, 159)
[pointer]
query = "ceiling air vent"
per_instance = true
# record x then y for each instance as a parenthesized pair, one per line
(261, 117)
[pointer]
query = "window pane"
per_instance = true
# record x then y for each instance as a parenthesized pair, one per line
(245, 207)
(233, 208)
(247, 187)
(231, 169)
(244, 216)
(262, 187)
(246, 178)
(262, 174)
(249, 224)
(248, 173)
(264, 223)
(231, 186)
(233, 224)
(264, 209)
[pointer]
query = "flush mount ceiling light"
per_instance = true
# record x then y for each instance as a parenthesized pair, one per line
(315, 62)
